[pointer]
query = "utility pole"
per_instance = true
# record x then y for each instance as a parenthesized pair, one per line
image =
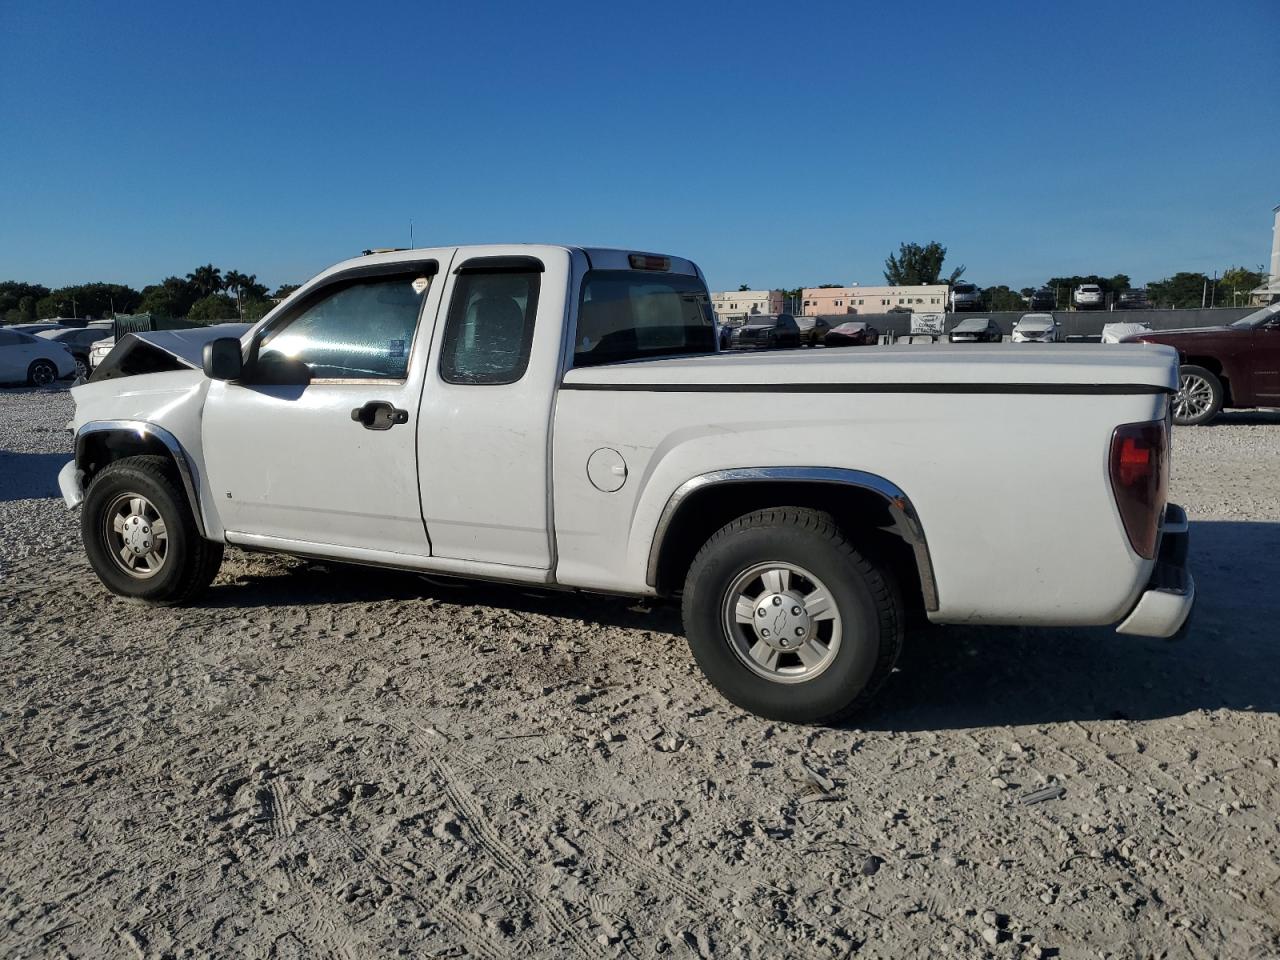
(411, 233)
(1213, 297)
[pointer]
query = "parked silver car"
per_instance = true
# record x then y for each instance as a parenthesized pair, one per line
(1037, 328)
(965, 296)
(1089, 296)
(29, 359)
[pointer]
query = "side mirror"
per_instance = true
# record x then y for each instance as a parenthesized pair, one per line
(222, 359)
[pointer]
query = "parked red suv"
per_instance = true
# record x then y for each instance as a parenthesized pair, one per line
(1235, 366)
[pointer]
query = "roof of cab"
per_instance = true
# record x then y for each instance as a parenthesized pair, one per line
(599, 258)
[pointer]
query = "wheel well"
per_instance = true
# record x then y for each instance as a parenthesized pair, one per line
(1214, 366)
(97, 450)
(863, 515)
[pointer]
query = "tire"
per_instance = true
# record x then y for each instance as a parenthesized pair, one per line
(784, 685)
(42, 373)
(82, 367)
(1199, 396)
(168, 575)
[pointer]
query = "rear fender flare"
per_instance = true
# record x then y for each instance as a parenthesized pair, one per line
(906, 521)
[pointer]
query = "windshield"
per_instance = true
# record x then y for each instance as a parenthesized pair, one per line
(633, 315)
(973, 325)
(1258, 318)
(964, 288)
(762, 322)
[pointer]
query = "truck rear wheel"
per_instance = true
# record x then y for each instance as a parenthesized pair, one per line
(141, 536)
(788, 620)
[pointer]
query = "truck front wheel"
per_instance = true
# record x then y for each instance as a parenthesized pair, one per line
(141, 536)
(788, 620)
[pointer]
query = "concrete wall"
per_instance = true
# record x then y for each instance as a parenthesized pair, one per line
(1074, 322)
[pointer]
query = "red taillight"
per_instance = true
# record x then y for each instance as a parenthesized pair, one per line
(1139, 479)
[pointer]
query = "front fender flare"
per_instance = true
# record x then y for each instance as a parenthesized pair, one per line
(146, 431)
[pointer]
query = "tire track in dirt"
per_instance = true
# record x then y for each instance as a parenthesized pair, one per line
(659, 876)
(509, 859)
(475, 941)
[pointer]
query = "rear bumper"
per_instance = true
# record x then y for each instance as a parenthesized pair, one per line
(1165, 606)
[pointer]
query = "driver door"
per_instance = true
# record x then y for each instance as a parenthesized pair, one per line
(330, 462)
(1266, 363)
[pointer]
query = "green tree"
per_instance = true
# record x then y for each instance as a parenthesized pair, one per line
(213, 308)
(1002, 298)
(171, 297)
(1236, 283)
(255, 309)
(916, 264)
(744, 286)
(206, 280)
(284, 290)
(1181, 290)
(19, 299)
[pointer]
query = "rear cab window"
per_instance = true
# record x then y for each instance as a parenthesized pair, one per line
(642, 315)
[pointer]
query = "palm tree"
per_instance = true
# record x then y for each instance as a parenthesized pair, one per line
(237, 281)
(206, 280)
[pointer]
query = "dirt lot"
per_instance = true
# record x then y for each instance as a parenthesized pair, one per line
(325, 761)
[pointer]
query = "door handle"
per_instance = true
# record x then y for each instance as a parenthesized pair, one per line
(379, 415)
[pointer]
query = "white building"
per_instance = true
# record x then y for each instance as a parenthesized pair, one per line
(737, 304)
(1271, 288)
(824, 301)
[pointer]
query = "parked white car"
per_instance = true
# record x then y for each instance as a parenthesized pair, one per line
(562, 417)
(25, 358)
(1037, 328)
(99, 349)
(1088, 296)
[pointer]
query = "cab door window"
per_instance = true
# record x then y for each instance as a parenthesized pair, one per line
(489, 331)
(358, 329)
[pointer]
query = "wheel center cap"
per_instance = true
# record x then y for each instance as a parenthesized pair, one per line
(781, 621)
(137, 535)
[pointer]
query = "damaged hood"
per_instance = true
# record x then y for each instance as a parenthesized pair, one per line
(157, 351)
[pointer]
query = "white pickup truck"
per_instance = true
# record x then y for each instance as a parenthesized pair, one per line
(561, 416)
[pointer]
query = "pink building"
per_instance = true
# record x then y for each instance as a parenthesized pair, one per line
(824, 301)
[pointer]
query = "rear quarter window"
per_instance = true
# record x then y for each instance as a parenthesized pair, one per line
(634, 315)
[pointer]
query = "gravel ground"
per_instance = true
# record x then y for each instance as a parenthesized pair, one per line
(325, 761)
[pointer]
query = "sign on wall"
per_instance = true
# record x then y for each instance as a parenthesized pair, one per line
(931, 323)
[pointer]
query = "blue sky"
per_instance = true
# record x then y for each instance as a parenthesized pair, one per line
(776, 144)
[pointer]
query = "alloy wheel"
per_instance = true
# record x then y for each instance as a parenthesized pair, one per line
(43, 374)
(782, 622)
(136, 535)
(1194, 397)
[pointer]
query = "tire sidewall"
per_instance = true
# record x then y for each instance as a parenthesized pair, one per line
(36, 365)
(106, 486)
(854, 665)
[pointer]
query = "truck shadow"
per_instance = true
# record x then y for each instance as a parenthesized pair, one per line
(1239, 417)
(956, 677)
(948, 677)
(279, 581)
(30, 476)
